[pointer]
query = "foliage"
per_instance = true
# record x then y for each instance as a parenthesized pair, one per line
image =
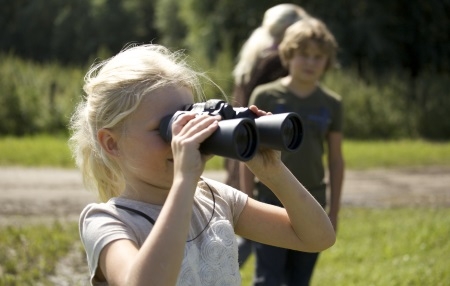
(36, 98)
(73, 31)
(404, 246)
(394, 78)
(375, 36)
(40, 98)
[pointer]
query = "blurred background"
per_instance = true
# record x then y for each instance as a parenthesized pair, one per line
(394, 78)
(394, 56)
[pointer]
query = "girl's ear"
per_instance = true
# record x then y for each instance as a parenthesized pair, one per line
(108, 141)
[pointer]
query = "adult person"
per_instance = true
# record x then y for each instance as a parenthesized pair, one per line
(307, 50)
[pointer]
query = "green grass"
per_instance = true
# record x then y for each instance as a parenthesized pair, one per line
(29, 254)
(53, 151)
(402, 153)
(37, 151)
(403, 246)
(400, 246)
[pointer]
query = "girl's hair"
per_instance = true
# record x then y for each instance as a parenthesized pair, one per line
(300, 34)
(114, 88)
(267, 36)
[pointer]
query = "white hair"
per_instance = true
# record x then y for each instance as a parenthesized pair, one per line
(266, 36)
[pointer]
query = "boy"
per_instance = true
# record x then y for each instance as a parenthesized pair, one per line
(308, 50)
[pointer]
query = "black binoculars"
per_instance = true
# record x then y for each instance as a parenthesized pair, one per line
(240, 131)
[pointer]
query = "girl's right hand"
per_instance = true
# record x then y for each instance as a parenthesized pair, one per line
(189, 131)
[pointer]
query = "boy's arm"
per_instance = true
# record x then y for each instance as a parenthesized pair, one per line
(336, 173)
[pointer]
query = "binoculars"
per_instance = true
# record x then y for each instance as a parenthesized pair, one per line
(240, 131)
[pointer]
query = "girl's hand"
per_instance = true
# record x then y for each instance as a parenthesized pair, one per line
(189, 131)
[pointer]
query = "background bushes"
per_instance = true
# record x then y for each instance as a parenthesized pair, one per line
(394, 56)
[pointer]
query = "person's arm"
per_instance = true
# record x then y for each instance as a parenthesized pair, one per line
(301, 225)
(158, 260)
(336, 173)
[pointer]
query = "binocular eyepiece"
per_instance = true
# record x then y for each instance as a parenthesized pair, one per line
(240, 131)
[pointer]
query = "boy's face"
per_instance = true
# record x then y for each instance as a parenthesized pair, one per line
(308, 64)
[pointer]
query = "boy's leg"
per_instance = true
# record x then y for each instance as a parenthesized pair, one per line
(270, 265)
(300, 267)
(245, 249)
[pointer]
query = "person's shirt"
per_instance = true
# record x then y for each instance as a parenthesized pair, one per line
(321, 112)
(209, 259)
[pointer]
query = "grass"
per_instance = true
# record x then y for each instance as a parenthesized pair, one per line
(37, 151)
(29, 254)
(402, 153)
(53, 151)
(402, 246)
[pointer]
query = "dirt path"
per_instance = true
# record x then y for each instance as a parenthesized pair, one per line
(39, 193)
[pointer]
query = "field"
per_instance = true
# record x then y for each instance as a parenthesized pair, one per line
(393, 227)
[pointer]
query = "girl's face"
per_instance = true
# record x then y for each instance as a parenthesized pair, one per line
(145, 158)
(308, 65)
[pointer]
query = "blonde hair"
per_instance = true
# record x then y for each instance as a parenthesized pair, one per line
(266, 36)
(114, 88)
(300, 34)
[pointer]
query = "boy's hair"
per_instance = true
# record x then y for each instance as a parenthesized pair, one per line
(114, 88)
(301, 33)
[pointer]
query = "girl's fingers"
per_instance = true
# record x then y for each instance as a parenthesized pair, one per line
(258, 111)
(194, 126)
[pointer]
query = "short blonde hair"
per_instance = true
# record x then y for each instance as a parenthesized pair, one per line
(114, 88)
(298, 35)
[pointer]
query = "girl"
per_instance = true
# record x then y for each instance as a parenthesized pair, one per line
(160, 222)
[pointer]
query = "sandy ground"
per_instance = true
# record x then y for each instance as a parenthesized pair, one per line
(36, 195)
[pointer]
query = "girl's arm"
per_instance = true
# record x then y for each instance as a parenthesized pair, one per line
(158, 261)
(301, 225)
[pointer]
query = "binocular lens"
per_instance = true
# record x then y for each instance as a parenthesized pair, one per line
(281, 131)
(235, 138)
(291, 133)
(244, 136)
